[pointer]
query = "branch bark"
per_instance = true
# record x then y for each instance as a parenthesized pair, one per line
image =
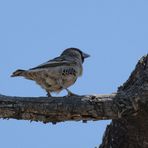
(57, 109)
(131, 131)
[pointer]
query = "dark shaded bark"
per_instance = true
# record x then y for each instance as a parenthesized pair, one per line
(131, 130)
(128, 109)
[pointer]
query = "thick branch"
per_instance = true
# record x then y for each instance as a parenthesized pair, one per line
(131, 131)
(58, 109)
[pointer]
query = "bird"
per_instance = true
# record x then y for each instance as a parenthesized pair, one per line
(57, 74)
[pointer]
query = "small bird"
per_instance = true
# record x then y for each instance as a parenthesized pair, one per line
(57, 74)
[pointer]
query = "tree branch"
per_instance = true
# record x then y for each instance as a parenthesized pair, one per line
(57, 109)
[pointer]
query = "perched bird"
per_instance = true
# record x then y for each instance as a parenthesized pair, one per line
(57, 74)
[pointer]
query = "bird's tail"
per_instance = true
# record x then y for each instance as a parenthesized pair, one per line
(18, 72)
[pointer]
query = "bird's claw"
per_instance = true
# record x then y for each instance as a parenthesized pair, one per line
(70, 94)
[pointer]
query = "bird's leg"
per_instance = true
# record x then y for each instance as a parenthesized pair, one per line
(48, 94)
(70, 93)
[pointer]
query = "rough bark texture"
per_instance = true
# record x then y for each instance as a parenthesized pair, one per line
(131, 130)
(58, 109)
(128, 109)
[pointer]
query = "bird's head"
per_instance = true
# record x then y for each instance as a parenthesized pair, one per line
(75, 53)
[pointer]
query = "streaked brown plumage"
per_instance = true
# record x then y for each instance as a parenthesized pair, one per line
(57, 74)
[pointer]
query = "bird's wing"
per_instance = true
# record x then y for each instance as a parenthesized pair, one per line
(59, 61)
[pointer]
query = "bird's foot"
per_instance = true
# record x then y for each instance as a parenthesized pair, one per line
(70, 94)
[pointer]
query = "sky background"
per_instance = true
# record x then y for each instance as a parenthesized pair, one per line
(113, 32)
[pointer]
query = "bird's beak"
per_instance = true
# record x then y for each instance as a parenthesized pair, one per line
(85, 55)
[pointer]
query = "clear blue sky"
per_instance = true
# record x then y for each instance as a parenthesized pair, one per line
(113, 32)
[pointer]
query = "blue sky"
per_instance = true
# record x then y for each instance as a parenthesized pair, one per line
(114, 33)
